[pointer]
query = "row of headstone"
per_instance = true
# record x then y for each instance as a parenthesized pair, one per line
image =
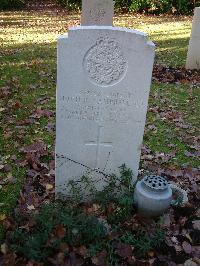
(104, 76)
(95, 12)
(101, 13)
(193, 55)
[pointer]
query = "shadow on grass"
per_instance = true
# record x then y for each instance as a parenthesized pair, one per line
(153, 19)
(169, 51)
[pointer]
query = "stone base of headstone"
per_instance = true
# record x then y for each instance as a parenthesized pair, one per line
(193, 55)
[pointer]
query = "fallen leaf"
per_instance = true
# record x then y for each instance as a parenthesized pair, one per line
(198, 212)
(151, 254)
(124, 250)
(187, 247)
(142, 263)
(4, 248)
(40, 112)
(178, 248)
(60, 231)
(38, 147)
(30, 207)
(100, 258)
(7, 168)
(64, 247)
(189, 154)
(189, 237)
(30, 263)
(2, 216)
(82, 250)
(49, 186)
(10, 179)
(196, 224)
(166, 220)
(74, 259)
(190, 262)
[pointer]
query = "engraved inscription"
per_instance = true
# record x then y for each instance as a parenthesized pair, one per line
(105, 63)
(97, 15)
(100, 107)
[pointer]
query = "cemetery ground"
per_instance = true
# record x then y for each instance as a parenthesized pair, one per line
(27, 135)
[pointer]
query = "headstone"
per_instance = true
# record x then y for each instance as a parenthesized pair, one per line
(97, 12)
(193, 55)
(103, 82)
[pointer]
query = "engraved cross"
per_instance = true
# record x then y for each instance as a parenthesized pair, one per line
(98, 143)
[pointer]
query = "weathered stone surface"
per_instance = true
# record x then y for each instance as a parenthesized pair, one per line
(97, 12)
(104, 76)
(193, 55)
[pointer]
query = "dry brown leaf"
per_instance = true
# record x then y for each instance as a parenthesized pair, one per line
(64, 247)
(49, 186)
(4, 248)
(2, 216)
(60, 231)
(151, 254)
(190, 262)
(82, 250)
(196, 224)
(30, 207)
(187, 247)
(124, 250)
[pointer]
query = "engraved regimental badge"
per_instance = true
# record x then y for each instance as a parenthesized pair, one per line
(104, 63)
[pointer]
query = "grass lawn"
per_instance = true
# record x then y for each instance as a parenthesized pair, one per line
(28, 82)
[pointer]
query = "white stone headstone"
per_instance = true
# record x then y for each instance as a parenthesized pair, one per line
(97, 12)
(193, 55)
(104, 77)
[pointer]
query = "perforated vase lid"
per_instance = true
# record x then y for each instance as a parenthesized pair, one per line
(155, 182)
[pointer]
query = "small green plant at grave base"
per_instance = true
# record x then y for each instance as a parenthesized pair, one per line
(75, 191)
(112, 258)
(117, 190)
(126, 177)
(113, 187)
(118, 185)
(177, 202)
(124, 209)
(120, 192)
(108, 246)
(54, 225)
(79, 188)
(177, 199)
(144, 242)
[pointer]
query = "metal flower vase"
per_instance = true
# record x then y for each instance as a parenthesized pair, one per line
(152, 195)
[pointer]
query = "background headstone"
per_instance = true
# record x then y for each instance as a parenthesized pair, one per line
(97, 12)
(104, 77)
(193, 55)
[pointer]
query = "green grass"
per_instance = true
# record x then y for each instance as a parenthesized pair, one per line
(168, 138)
(170, 34)
(62, 225)
(28, 70)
